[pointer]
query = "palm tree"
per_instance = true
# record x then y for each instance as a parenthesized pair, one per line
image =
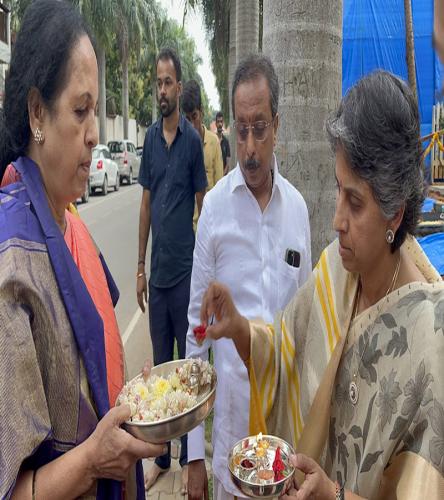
(410, 47)
(247, 28)
(134, 21)
(18, 8)
(304, 41)
(231, 69)
(99, 14)
(233, 31)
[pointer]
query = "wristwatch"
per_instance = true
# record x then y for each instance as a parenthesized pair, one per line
(339, 491)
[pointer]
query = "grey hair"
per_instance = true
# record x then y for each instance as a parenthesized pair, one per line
(251, 68)
(377, 126)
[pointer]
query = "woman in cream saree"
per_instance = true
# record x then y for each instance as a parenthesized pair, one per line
(351, 372)
(390, 443)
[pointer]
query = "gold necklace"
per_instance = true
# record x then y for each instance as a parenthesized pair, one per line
(353, 391)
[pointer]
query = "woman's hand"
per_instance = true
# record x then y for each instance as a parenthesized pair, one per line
(230, 324)
(317, 485)
(112, 451)
(217, 300)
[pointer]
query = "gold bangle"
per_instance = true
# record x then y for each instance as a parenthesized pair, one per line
(139, 275)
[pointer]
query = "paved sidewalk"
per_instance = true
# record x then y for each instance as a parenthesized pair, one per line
(169, 484)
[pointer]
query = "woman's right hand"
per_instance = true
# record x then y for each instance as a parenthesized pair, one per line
(229, 323)
(112, 451)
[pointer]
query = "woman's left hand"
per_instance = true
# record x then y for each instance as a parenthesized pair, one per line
(317, 485)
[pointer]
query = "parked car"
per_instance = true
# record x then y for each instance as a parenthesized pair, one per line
(139, 151)
(104, 172)
(125, 155)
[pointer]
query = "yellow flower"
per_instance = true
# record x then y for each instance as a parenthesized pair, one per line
(161, 387)
(260, 452)
(142, 390)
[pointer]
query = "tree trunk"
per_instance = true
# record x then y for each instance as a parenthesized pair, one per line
(303, 38)
(410, 47)
(102, 94)
(247, 28)
(154, 94)
(125, 97)
(124, 56)
(231, 70)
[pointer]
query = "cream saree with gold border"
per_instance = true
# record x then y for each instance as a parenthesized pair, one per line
(391, 443)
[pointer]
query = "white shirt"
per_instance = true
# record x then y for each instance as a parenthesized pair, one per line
(244, 248)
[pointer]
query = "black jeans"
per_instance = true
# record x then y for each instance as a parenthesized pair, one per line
(168, 311)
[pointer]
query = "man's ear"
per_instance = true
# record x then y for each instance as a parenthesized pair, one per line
(275, 128)
(179, 89)
(36, 110)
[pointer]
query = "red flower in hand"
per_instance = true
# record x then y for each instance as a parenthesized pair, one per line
(278, 466)
(200, 333)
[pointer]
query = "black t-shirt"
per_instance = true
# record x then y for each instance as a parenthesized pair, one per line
(225, 146)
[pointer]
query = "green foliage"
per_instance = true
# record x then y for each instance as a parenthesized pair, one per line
(216, 15)
(135, 29)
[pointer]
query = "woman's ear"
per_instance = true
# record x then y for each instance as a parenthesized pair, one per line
(397, 219)
(36, 110)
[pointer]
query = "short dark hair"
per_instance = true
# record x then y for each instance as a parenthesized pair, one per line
(377, 125)
(49, 31)
(191, 97)
(251, 68)
(219, 114)
(169, 54)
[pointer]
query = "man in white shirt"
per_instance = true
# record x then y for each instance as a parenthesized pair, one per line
(253, 235)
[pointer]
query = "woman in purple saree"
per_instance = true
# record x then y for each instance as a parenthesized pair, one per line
(59, 439)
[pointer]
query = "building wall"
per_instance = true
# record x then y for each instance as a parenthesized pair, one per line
(114, 130)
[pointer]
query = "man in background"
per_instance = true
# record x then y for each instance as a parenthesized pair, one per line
(224, 144)
(172, 175)
(192, 107)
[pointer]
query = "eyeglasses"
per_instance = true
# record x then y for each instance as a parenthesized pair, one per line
(259, 130)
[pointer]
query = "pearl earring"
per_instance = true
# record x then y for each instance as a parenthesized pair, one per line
(389, 236)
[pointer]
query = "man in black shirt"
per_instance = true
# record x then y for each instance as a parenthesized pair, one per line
(224, 144)
(173, 176)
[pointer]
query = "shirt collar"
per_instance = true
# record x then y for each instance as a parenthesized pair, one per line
(205, 130)
(238, 179)
(180, 126)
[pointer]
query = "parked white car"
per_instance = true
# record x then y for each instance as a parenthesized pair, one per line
(104, 172)
(125, 154)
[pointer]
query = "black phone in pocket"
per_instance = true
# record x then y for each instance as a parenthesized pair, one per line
(292, 257)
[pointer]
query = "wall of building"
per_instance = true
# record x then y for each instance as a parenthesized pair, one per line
(114, 130)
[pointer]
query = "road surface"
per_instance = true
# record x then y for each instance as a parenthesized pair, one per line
(113, 222)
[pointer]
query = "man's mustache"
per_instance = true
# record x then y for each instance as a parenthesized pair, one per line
(251, 164)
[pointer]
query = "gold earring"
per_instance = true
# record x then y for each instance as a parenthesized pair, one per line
(38, 136)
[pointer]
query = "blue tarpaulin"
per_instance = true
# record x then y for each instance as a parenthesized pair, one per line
(374, 37)
(428, 204)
